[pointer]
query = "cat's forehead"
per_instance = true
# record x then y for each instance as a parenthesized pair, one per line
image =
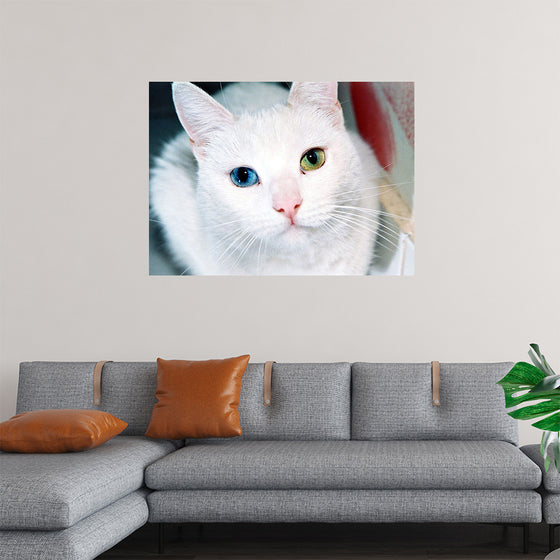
(278, 132)
(284, 124)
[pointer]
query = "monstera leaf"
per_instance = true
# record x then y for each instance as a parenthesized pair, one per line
(526, 383)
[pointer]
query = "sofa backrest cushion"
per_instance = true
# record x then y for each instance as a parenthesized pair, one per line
(394, 402)
(45, 385)
(309, 401)
(127, 389)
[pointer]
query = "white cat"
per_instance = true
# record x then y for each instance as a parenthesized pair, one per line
(266, 182)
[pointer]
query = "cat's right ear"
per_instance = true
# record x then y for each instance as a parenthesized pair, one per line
(322, 95)
(200, 114)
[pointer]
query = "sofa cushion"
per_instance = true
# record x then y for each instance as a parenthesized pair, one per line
(309, 401)
(344, 465)
(54, 491)
(127, 389)
(550, 478)
(44, 385)
(85, 540)
(394, 401)
(551, 508)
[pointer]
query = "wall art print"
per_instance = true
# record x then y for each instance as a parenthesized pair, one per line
(276, 178)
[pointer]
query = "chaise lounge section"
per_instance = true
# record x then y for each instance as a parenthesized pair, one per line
(77, 505)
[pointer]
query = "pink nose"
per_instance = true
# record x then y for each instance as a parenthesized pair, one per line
(288, 206)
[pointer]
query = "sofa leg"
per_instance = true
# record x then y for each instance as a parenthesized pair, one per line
(551, 544)
(525, 538)
(161, 538)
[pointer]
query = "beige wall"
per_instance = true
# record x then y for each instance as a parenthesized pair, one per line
(73, 148)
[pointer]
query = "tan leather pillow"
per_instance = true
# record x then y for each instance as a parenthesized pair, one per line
(197, 399)
(58, 431)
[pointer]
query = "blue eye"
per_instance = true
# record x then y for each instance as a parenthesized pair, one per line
(244, 177)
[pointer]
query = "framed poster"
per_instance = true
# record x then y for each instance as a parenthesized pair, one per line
(275, 178)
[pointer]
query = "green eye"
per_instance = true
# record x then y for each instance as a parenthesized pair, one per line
(312, 159)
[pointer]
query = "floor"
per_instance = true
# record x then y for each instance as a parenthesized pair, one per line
(333, 542)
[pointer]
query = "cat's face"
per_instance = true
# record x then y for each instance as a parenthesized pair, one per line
(275, 175)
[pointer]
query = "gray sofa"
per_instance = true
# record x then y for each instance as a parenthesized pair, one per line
(340, 442)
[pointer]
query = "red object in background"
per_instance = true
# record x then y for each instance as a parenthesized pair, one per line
(373, 104)
(373, 121)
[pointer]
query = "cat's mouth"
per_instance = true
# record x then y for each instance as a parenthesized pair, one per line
(294, 226)
(295, 231)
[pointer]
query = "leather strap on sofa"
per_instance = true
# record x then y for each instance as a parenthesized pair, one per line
(268, 383)
(435, 383)
(97, 371)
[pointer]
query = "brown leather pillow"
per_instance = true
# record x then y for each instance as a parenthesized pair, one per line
(197, 399)
(58, 431)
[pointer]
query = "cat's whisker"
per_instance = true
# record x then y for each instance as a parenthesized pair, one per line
(259, 256)
(353, 199)
(237, 240)
(370, 215)
(382, 171)
(384, 168)
(370, 219)
(330, 227)
(393, 244)
(222, 224)
(233, 232)
(389, 235)
(361, 198)
(380, 186)
(391, 215)
(356, 192)
(373, 230)
(246, 246)
(387, 185)
(356, 226)
(252, 239)
(365, 188)
(373, 211)
(346, 219)
(265, 249)
(225, 238)
(366, 226)
(391, 247)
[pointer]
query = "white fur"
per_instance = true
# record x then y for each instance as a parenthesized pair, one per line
(214, 227)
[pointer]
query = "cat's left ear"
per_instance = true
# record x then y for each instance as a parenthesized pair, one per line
(317, 94)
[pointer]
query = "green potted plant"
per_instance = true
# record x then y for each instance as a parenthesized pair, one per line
(526, 383)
